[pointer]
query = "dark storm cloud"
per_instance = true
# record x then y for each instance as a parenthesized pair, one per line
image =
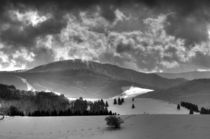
(183, 6)
(191, 28)
(188, 21)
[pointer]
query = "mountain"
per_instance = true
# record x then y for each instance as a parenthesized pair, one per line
(76, 78)
(195, 91)
(187, 75)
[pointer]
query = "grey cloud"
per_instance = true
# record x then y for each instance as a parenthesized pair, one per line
(27, 36)
(191, 28)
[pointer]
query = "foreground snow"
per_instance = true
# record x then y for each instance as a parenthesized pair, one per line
(94, 127)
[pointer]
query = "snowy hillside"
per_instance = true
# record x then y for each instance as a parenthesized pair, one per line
(145, 106)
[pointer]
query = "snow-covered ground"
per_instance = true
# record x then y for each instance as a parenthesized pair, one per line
(133, 91)
(94, 127)
(145, 106)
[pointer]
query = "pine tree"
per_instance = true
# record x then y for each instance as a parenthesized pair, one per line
(115, 101)
(122, 100)
(133, 99)
(178, 107)
(133, 106)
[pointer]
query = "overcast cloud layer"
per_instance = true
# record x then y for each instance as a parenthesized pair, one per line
(145, 35)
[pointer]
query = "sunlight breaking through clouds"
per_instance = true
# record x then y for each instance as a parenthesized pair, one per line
(29, 17)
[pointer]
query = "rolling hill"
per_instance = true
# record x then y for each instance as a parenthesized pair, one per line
(195, 91)
(187, 75)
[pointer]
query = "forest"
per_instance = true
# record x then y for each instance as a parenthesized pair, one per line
(16, 102)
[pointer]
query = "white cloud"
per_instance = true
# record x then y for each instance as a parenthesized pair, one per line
(24, 54)
(120, 17)
(29, 17)
(14, 60)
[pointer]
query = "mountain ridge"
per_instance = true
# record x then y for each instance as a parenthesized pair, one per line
(76, 78)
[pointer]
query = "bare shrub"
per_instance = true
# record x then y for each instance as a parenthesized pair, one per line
(114, 121)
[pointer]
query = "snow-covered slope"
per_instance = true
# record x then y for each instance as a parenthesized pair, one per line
(133, 91)
(28, 85)
(145, 106)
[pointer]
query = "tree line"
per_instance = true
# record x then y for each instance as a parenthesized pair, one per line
(77, 108)
(193, 108)
(16, 102)
(190, 106)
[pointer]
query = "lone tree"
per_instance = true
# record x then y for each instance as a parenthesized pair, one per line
(115, 101)
(178, 107)
(133, 99)
(114, 122)
(133, 106)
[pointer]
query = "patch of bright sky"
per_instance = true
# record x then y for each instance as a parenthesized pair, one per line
(30, 17)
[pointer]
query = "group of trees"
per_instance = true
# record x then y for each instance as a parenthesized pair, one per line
(190, 106)
(193, 108)
(16, 102)
(204, 111)
(14, 111)
(119, 101)
(77, 107)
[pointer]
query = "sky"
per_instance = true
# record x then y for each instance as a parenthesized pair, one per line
(143, 35)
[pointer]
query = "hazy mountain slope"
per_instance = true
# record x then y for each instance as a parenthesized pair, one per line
(108, 70)
(76, 78)
(11, 78)
(77, 83)
(196, 91)
(187, 75)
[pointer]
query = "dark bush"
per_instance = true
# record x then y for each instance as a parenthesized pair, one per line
(114, 121)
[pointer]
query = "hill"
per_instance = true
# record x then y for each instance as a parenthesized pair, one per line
(195, 91)
(187, 75)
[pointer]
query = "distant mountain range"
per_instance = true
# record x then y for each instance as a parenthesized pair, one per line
(75, 78)
(187, 75)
